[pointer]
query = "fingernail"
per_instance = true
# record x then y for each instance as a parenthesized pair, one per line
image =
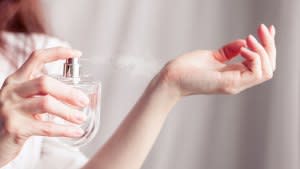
(77, 132)
(251, 36)
(273, 28)
(80, 117)
(77, 53)
(264, 27)
(83, 100)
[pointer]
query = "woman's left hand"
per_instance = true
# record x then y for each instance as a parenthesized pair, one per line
(207, 72)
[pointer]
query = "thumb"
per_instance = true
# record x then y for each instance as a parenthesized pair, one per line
(230, 50)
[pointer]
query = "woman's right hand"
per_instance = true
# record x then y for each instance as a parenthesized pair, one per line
(25, 96)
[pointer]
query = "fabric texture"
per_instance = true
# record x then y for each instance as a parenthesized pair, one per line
(38, 152)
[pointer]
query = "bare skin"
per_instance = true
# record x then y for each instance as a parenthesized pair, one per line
(199, 72)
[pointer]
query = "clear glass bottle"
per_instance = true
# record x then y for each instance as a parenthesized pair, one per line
(71, 76)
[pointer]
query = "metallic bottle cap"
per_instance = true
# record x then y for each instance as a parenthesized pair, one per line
(72, 69)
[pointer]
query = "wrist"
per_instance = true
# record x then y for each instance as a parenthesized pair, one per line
(164, 83)
(9, 150)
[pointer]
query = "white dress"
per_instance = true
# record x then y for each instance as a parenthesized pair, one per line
(38, 152)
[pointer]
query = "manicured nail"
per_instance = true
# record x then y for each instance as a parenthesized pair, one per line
(80, 117)
(77, 132)
(264, 28)
(77, 53)
(261, 25)
(273, 29)
(251, 37)
(82, 99)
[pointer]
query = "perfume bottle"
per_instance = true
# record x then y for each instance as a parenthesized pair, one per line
(71, 76)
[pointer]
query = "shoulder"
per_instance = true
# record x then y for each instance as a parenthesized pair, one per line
(43, 41)
(21, 45)
(33, 41)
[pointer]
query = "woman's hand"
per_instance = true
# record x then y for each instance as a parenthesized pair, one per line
(207, 72)
(194, 73)
(25, 97)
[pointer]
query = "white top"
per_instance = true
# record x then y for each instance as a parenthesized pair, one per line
(38, 152)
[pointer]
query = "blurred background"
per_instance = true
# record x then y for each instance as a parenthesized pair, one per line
(128, 41)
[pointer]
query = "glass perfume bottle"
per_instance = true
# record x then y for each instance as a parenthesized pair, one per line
(71, 76)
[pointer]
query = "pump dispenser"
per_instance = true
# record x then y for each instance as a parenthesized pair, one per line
(72, 69)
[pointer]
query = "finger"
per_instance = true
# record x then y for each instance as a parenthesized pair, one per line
(265, 38)
(46, 128)
(249, 77)
(268, 43)
(273, 33)
(254, 45)
(230, 50)
(48, 104)
(46, 85)
(38, 58)
(252, 61)
(272, 30)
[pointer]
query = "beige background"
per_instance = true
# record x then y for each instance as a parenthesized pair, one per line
(129, 40)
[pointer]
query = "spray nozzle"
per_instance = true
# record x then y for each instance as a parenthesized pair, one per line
(72, 69)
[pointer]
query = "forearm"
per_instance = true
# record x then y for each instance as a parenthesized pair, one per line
(129, 145)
